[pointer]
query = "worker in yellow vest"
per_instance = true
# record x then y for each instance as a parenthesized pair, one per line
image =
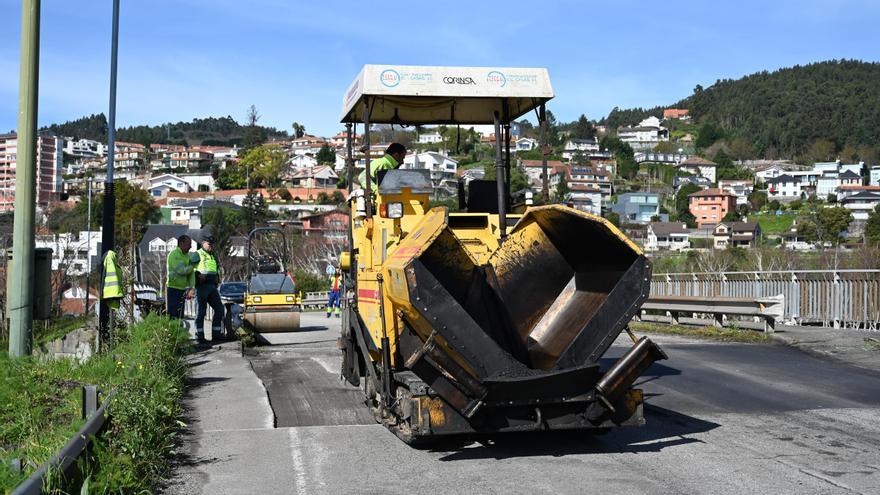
(207, 294)
(334, 299)
(111, 291)
(181, 278)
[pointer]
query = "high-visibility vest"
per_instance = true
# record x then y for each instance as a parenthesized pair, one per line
(207, 262)
(112, 290)
(180, 270)
(387, 162)
(335, 281)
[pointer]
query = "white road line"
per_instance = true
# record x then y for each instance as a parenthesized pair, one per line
(296, 455)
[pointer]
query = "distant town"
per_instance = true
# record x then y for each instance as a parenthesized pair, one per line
(646, 177)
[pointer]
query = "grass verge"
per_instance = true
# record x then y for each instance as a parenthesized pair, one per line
(40, 408)
(708, 333)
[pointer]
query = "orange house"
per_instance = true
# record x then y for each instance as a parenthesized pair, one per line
(709, 206)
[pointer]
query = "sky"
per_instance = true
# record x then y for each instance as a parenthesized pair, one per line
(182, 59)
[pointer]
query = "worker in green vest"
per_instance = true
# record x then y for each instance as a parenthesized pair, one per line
(180, 284)
(207, 293)
(111, 291)
(394, 155)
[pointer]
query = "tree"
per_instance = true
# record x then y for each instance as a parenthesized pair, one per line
(824, 224)
(731, 216)
(707, 134)
(224, 224)
(133, 204)
(562, 189)
(299, 130)
(582, 129)
(254, 135)
(323, 198)
(832, 198)
(254, 209)
(232, 177)
(518, 180)
(265, 164)
(741, 149)
(872, 227)
(849, 153)
(283, 194)
(326, 155)
(821, 150)
(665, 147)
(613, 217)
(682, 203)
(773, 205)
(757, 200)
(337, 197)
(623, 155)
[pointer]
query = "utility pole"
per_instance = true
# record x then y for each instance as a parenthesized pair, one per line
(545, 150)
(20, 301)
(88, 245)
(109, 220)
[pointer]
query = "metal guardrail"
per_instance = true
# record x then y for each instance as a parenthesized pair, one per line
(65, 458)
(836, 298)
(768, 308)
(315, 300)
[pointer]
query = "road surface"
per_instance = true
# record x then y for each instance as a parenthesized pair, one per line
(722, 418)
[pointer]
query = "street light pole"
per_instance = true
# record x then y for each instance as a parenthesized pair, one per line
(109, 220)
(88, 245)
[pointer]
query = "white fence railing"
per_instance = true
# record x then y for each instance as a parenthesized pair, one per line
(838, 298)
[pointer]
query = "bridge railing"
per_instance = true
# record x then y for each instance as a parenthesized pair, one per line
(838, 298)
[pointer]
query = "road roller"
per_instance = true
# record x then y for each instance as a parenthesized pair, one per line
(271, 302)
(481, 321)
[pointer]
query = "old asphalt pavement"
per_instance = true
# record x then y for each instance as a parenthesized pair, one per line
(721, 418)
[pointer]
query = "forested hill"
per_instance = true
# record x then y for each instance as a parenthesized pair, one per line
(785, 111)
(220, 131)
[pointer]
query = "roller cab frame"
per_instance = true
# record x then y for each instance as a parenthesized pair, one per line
(481, 321)
(272, 302)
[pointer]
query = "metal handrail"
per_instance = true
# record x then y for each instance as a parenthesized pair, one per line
(769, 271)
(67, 455)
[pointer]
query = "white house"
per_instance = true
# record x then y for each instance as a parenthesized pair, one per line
(646, 135)
(739, 188)
(585, 198)
(162, 184)
(441, 166)
(827, 184)
(199, 182)
(702, 167)
(784, 186)
(339, 165)
(320, 176)
(73, 253)
(526, 144)
(674, 236)
(583, 146)
(302, 161)
(861, 204)
(874, 176)
(770, 172)
(430, 138)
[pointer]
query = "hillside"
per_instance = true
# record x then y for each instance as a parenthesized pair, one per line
(219, 131)
(783, 112)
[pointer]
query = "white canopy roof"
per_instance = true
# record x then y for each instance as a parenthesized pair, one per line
(444, 95)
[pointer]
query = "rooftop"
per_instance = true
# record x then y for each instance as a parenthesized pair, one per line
(714, 191)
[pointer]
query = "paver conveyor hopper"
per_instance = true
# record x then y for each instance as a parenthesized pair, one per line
(481, 321)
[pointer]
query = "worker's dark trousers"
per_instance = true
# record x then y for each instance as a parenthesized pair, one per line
(207, 294)
(175, 299)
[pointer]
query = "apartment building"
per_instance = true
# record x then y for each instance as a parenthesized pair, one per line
(49, 161)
